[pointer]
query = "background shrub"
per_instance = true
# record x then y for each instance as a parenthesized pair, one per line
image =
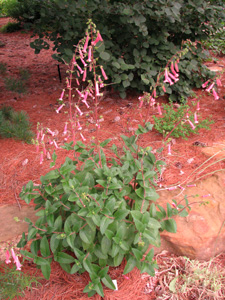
(139, 36)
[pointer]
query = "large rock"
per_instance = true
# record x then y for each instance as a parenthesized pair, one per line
(201, 234)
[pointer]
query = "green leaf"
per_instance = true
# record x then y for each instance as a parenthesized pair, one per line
(54, 242)
(76, 267)
(64, 258)
(121, 214)
(105, 245)
(105, 56)
(35, 246)
(105, 142)
(32, 233)
(118, 259)
(131, 263)
(104, 224)
(87, 234)
(108, 282)
(44, 247)
(137, 253)
(169, 225)
(88, 266)
(46, 270)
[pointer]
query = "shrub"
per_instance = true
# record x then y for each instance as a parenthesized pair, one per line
(10, 27)
(180, 122)
(140, 37)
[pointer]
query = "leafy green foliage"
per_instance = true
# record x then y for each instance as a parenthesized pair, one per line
(96, 215)
(15, 125)
(13, 283)
(175, 121)
(216, 42)
(140, 36)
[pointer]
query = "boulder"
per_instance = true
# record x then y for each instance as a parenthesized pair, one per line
(200, 235)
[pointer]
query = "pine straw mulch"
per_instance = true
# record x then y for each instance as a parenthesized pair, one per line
(178, 278)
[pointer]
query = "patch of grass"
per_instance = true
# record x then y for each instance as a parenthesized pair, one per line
(10, 27)
(3, 68)
(15, 125)
(17, 85)
(13, 283)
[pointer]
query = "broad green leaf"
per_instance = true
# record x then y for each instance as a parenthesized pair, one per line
(104, 224)
(44, 247)
(32, 233)
(87, 234)
(64, 258)
(105, 56)
(131, 263)
(105, 244)
(118, 259)
(169, 225)
(108, 282)
(88, 266)
(35, 246)
(54, 242)
(137, 253)
(46, 270)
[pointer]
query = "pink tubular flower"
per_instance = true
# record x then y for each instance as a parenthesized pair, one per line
(98, 39)
(7, 254)
(103, 73)
(169, 149)
(80, 112)
(83, 62)
(173, 71)
(54, 142)
(51, 132)
(176, 65)
(218, 82)
(210, 87)
(196, 118)
(65, 129)
(167, 79)
(83, 138)
(79, 68)
(80, 94)
(182, 188)
(41, 158)
(154, 93)
(78, 124)
(62, 94)
(90, 67)
(13, 255)
(205, 84)
(97, 90)
(159, 109)
(18, 264)
(81, 54)
(174, 205)
(77, 81)
(191, 185)
(172, 188)
(85, 74)
(58, 110)
(192, 125)
(67, 83)
(89, 54)
(216, 97)
(164, 89)
(86, 44)
(126, 277)
(43, 136)
(198, 105)
(173, 77)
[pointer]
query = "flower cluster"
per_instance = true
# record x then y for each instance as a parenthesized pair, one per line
(211, 87)
(173, 76)
(15, 258)
(85, 91)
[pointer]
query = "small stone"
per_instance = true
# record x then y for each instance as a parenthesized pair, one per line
(25, 162)
(117, 119)
(190, 160)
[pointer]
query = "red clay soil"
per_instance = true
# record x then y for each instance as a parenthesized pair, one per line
(120, 117)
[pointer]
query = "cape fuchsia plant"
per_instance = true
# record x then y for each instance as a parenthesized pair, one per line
(97, 210)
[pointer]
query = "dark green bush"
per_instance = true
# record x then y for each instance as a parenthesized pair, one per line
(139, 36)
(10, 27)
